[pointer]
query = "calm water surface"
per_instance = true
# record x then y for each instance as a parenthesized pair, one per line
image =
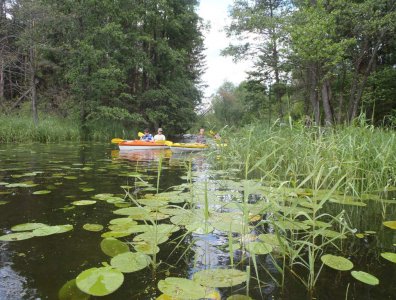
(38, 267)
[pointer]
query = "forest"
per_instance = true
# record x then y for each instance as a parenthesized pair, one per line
(105, 67)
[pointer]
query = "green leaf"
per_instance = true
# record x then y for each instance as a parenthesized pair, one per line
(42, 192)
(46, 230)
(83, 202)
(27, 226)
(113, 247)
(220, 277)
(70, 291)
(390, 224)
(129, 262)
(18, 236)
(337, 262)
(99, 281)
(389, 256)
(365, 277)
(258, 248)
(181, 288)
(93, 227)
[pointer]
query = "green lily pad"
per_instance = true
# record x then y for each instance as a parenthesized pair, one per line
(86, 189)
(239, 297)
(146, 248)
(71, 177)
(115, 234)
(42, 192)
(102, 196)
(220, 277)
(389, 256)
(99, 281)
(133, 212)
(65, 228)
(46, 230)
(337, 262)
(259, 248)
(129, 262)
(27, 226)
(365, 277)
(3, 183)
(83, 202)
(18, 236)
(151, 238)
(21, 185)
(120, 221)
(390, 224)
(70, 291)
(181, 288)
(113, 247)
(3, 202)
(93, 227)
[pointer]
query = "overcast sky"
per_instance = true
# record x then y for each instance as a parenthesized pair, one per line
(219, 68)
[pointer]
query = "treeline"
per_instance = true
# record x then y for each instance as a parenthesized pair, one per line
(320, 61)
(134, 63)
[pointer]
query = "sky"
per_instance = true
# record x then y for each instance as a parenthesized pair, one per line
(219, 68)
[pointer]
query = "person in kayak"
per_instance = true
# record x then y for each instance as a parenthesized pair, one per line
(159, 136)
(201, 136)
(147, 137)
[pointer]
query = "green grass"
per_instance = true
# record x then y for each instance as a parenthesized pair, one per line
(50, 129)
(363, 157)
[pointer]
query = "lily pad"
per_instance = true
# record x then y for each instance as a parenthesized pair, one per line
(129, 262)
(83, 202)
(18, 236)
(65, 228)
(86, 189)
(27, 226)
(146, 248)
(46, 230)
(220, 277)
(259, 248)
(3, 202)
(181, 288)
(42, 192)
(93, 227)
(390, 224)
(239, 297)
(120, 221)
(70, 177)
(337, 262)
(70, 291)
(389, 256)
(113, 247)
(365, 277)
(99, 281)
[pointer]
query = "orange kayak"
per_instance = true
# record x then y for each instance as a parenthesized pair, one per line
(141, 145)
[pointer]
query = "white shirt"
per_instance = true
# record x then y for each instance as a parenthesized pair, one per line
(159, 137)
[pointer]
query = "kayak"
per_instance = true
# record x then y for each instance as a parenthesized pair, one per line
(141, 145)
(191, 147)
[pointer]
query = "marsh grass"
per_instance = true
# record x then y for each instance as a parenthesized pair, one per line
(51, 128)
(364, 157)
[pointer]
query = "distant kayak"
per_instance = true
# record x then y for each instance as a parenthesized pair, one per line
(185, 147)
(141, 145)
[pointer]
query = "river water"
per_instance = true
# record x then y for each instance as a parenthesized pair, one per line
(38, 267)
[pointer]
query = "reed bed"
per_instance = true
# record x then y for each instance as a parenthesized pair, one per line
(365, 157)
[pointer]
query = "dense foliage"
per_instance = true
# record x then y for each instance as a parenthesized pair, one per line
(324, 61)
(135, 63)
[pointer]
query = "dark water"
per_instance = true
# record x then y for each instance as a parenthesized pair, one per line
(37, 268)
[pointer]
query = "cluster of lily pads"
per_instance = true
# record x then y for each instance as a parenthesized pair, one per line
(30, 230)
